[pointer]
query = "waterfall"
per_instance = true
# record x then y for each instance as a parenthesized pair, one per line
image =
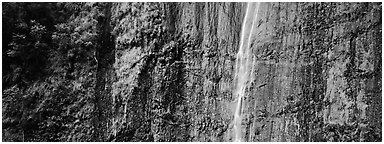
(244, 65)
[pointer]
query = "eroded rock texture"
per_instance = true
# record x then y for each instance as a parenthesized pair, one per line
(174, 64)
(317, 74)
(167, 74)
(320, 68)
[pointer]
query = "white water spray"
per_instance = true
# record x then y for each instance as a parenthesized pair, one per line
(244, 65)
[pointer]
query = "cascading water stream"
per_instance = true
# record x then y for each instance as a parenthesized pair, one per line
(244, 66)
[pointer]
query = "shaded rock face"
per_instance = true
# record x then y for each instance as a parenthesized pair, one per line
(316, 76)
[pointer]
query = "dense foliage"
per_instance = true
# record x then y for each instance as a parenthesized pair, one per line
(48, 70)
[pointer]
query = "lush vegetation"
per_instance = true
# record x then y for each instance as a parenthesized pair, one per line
(49, 64)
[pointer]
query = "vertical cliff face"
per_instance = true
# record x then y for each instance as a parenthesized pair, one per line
(316, 75)
(319, 68)
(210, 65)
(193, 72)
(174, 70)
(148, 99)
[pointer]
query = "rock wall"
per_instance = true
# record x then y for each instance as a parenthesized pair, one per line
(317, 74)
(319, 67)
